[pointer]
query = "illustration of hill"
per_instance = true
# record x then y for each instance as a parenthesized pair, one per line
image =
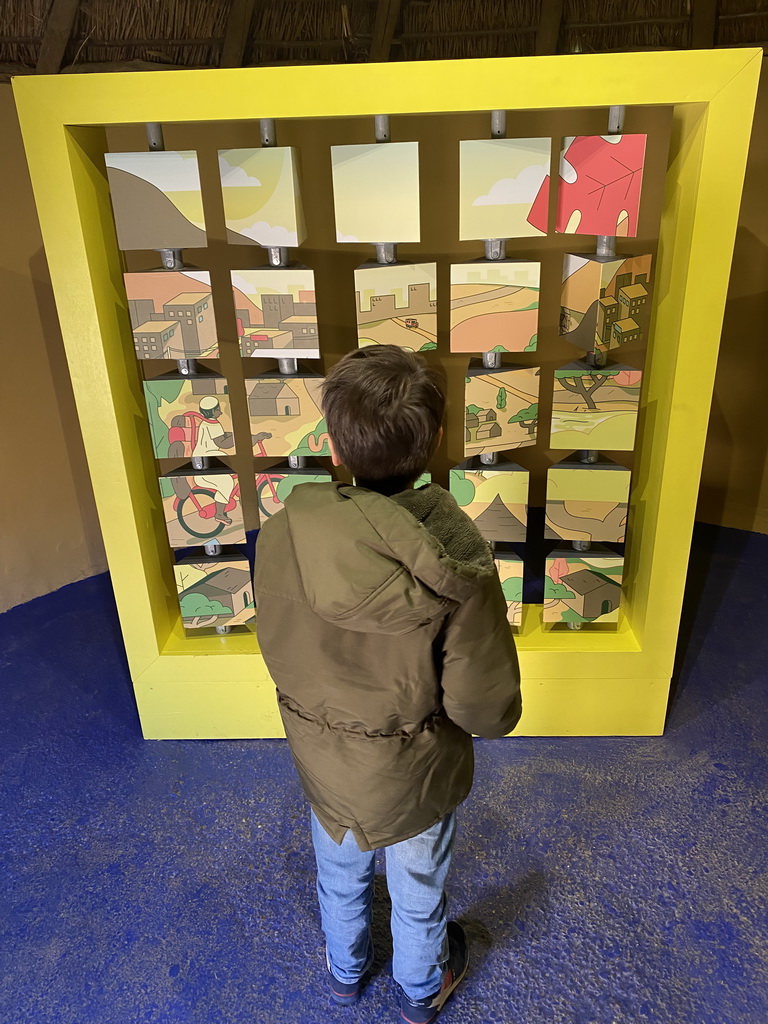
(146, 218)
(160, 286)
(498, 523)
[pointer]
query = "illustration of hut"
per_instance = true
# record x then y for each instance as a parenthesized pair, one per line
(223, 595)
(273, 398)
(596, 594)
(481, 425)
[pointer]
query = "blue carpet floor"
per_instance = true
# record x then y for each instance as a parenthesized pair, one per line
(601, 881)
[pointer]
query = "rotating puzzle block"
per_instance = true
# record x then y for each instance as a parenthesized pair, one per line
(202, 505)
(494, 306)
(605, 303)
(276, 312)
(583, 587)
(262, 198)
(587, 501)
(501, 408)
(172, 315)
(285, 414)
(214, 591)
(397, 305)
(376, 192)
(156, 200)
(494, 497)
(510, 570)
(498, 182)
(599, 188)
(189, 416)
(275, 484)
(595, 407)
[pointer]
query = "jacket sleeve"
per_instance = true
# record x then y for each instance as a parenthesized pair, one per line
(480, 672)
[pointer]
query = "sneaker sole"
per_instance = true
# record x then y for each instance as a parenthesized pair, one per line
(444, 997)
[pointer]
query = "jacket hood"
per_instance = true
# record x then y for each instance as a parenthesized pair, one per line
(377, 564)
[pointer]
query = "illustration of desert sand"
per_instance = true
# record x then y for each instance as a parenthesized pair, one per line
(146, 218)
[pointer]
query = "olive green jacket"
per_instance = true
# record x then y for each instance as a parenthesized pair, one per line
(383, 625)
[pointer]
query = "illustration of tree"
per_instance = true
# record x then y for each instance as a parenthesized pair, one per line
(201, 610)
(570, 615)
(160, 392)
(556, 591)
(527, 418)
(512, 589)
(584, 381)
(462, 489)
(557, 568)
(474, 409)
(501, 399)
(498, 348)
(428, 346)
(531, 346)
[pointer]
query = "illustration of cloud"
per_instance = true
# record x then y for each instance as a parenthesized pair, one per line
(572, 263)
(513, 191)
(169, 171)
(243, 284)
(268, 234)
(613, 139)
(203, 276)
(234, 177)
(346, 238)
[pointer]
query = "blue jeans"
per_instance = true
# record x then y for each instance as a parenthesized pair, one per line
(416, 872)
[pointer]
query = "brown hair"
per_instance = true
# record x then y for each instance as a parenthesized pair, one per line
(384, 408)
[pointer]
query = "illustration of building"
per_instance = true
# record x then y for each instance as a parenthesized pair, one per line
(596, 595)
(384, 307)
(608, 311)
(288, 323)
(273, 398)
(154, 338)
(625, 330)
(194, 313)
(633, 297)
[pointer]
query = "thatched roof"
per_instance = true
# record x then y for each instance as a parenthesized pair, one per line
(96, 35)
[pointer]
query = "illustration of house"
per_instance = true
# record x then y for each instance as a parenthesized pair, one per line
(626, 330)
(153, 339)
(273, 398)
(229, 586)
(256, 339)
(384, 307)
(288, 323)
(596, 594)
(194, 313)
(481, 425)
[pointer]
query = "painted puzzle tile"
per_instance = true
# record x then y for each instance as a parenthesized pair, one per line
(494, 497)
(494, 306)
(498, 182)
(262, 199)
(275, 484)
(587, 501)
(599, 189)
(376, 192)
(286, 417)
(595, 407)
(214, 591)
(501, 408)
(397, 305)
(202, 505)
(605, 303)
(510, 570)
(189, 416)
(582, 587)
(276, 312)
(156, 199)
(172, 315)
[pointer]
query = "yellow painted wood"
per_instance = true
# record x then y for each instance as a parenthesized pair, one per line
(599, 682)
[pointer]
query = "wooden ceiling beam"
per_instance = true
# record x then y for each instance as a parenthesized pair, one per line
(703, 24)
(237, 33)
(387, 17)
(548, 32)
(58, 31)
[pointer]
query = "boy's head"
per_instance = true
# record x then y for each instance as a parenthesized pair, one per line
(384, 410)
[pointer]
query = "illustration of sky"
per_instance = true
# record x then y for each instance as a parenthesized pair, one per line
(520, 274)
(261, 195)
(394, 280)
(498, 182)
(376, 192)
(255, 283)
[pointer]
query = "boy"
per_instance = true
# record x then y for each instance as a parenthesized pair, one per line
(382, 622)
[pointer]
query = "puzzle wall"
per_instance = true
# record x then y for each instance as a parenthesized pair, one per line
(503, 201)
(208, 271)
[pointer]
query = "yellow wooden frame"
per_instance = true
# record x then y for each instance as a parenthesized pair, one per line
(588, 683)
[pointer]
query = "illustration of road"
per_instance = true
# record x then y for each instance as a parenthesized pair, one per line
(468, 294)
(405, 332)
(485, 317)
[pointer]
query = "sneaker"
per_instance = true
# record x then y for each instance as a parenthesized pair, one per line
(343, 993)
(424, 1011)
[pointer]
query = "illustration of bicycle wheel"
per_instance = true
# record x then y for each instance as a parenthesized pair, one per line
(267, 504)
(214, 526)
